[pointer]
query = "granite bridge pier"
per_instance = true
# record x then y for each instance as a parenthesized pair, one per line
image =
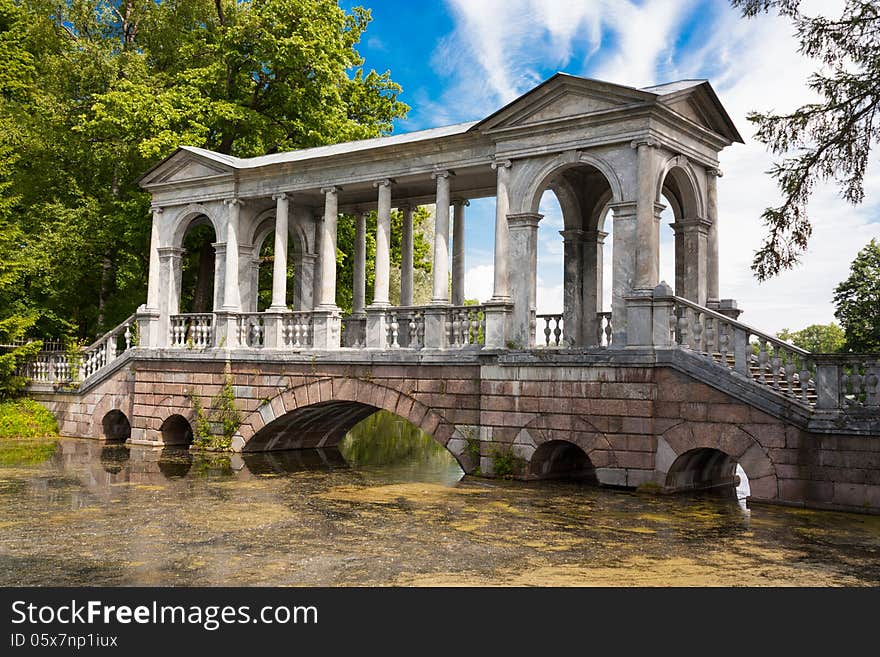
(666, 389)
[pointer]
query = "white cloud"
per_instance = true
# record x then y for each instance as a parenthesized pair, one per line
(498, 48)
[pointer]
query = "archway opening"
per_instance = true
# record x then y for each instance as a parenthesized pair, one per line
(704, 469)
(265, 263)
(197, 278)
(116, 427)
(560, 459)
(388, 441)
(572, 256)
(683, 233)
(366, 437)
(176, 431)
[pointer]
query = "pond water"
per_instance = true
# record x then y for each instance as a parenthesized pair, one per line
(387, 508)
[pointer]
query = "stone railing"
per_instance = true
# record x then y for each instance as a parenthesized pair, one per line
(551, 330)
(77, 365)
(105, 349)
(550, 333)
(412, 327)
(603, 329)
(466, 325)
(297, 330)
(251, 330)
(191, 331)
(771, 362)
(849, 382)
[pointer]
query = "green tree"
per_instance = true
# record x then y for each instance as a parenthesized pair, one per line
(816, 338)
(95, 92)
(826, 140)
(857, 300)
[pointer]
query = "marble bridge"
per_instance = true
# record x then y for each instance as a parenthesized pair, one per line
(666, 390)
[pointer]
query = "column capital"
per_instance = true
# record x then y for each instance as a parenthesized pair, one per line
(170, 252)
(650, 142)
(573, 235)
(157, 209)
(524, 220)
(461, 201)
(658, 208)
(282, 195)
(623, 208)
(405, 206)
(233, 201)
(444, 173)
(501, 164)
(689, 224)
(219, 247)
(714, 172)
(384, 182)
(597, 236)
(331, 189)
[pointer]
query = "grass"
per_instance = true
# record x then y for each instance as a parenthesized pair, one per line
(25, 418)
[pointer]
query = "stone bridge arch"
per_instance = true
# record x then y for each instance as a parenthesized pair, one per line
(686, 438)
(320, 413)
(548, 429)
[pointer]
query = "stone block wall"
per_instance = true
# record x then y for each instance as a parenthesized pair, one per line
(632, 421)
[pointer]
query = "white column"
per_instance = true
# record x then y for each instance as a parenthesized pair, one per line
(648, 225)
(316, 265)
(327, 300)
(383, 243)
(279, 267)
(359, 294)
(441, 239)
(458, 251)
(153, 282)
(501, 289)
(231, 291)
(406, 257)
(712, 279)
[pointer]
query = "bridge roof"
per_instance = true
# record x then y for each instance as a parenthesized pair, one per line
(692, 100)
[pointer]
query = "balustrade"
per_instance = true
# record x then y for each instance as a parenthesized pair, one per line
(251, 330)
(771, 362)
(192, 330)
(297, 330)
(466, 326)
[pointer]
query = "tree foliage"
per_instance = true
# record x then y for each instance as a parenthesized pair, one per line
(857, 300)
(829, 140)
(816, 338)
(95, 92)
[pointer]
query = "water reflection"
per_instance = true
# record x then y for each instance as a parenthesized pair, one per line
(92, 515)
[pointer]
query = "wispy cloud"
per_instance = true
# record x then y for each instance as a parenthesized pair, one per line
(498, 50)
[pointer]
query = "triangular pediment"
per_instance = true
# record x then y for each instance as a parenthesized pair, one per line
(563, 96)
(185, 165)
(700, 105)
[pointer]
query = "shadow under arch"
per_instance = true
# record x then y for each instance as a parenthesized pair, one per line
(561, 459)
(116, 426)
(703, 468)
(318, 415)
(699, 453)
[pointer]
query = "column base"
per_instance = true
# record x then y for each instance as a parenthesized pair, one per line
(148, 325)
(327, 327)
(226, 329)
(377, 327)
(640, 318)
(436, 332)
(497, 315)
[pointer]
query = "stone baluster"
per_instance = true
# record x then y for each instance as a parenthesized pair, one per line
(763, 359)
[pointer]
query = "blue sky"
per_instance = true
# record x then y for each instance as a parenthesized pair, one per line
(459, 60)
